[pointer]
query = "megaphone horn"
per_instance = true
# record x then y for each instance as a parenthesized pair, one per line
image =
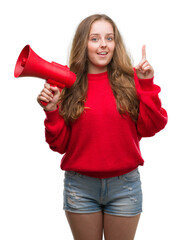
(30, 64)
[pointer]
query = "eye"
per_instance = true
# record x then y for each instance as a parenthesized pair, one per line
(94, 39)
(110, 38)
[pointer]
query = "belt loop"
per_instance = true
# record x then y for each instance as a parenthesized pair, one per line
(79, 174)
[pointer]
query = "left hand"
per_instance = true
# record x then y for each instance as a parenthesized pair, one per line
(144, 70)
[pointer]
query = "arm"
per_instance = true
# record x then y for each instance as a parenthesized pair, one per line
(57, 133)
(152, 117)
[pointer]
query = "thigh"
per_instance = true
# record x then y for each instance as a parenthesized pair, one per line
(86, 226)
(120, 228)
(124, 196)
(81, 193)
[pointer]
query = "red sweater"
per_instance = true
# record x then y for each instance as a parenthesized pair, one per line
(101, 143)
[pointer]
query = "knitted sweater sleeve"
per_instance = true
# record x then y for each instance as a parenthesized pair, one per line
(152, 117)
(56, 131)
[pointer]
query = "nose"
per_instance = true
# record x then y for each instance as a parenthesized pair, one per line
(103, 43)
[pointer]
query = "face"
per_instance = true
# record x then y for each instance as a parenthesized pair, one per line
(101, 46)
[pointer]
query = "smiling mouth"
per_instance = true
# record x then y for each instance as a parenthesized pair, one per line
(102, 53)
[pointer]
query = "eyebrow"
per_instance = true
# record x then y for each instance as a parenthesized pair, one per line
(99, 34)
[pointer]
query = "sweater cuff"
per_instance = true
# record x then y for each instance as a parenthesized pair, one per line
(146, 84)
(51, 116)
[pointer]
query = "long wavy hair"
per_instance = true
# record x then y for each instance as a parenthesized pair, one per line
(120, 72)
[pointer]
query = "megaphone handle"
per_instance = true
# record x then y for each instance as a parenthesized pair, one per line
(44, 103)
(60, 89)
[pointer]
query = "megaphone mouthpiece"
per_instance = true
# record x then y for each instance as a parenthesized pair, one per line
(24, 60)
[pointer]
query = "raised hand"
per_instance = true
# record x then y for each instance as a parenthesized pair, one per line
(144, 70)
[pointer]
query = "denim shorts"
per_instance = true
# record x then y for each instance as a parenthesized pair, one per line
(121, 195)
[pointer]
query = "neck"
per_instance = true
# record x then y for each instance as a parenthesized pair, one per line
(97, 76)
(97, 70)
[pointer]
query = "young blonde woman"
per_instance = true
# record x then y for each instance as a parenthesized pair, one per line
(97, 124)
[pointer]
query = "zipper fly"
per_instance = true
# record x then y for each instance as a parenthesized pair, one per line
(103, 192)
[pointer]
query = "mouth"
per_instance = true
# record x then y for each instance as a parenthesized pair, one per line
(102, 53)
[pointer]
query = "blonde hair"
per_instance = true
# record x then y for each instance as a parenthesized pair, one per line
(120, 72)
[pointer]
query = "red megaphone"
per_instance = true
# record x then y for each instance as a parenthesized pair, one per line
(29, 64)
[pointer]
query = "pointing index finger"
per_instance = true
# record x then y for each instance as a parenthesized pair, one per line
(144, 52)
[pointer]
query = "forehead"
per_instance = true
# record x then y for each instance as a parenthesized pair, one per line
(101, 26)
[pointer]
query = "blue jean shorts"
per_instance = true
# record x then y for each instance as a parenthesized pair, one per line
(121, 195)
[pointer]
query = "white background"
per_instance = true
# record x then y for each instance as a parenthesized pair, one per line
(31, 182)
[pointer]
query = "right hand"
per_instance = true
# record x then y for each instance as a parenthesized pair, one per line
(49, 95)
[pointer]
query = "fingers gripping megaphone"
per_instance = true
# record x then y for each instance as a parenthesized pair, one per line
(29, 64)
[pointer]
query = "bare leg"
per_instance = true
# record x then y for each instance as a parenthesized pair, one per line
(120, 228)
(87, 226)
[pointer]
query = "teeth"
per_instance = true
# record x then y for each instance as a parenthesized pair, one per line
(103, 53)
